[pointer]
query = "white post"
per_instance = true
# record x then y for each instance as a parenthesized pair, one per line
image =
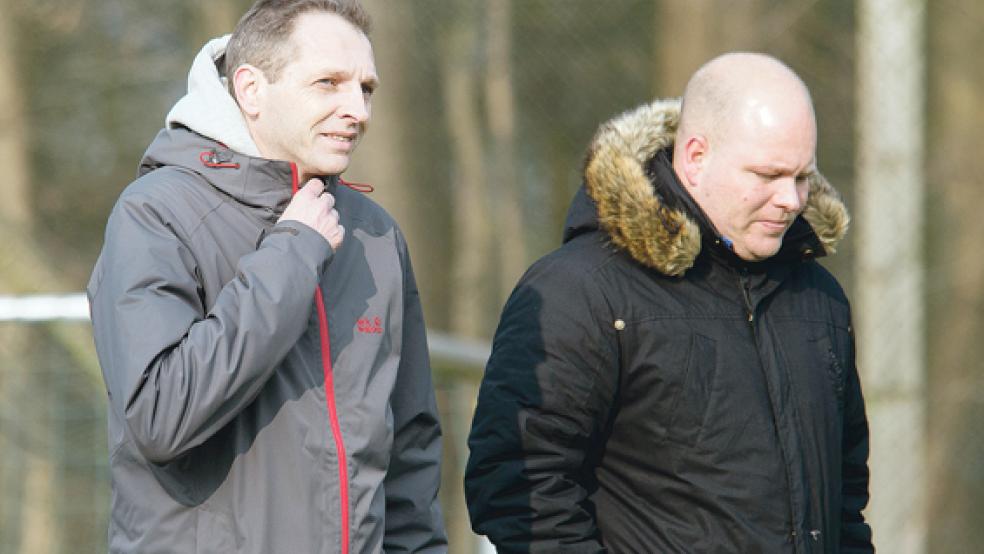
(889, 314)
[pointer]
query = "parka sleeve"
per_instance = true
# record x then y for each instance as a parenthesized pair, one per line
(175, 371)
(542, 408)
(414, 522)
(855, 532)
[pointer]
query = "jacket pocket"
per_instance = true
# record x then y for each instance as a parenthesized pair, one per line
(690, 405)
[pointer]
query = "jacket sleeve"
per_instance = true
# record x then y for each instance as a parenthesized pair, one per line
(542, 408)
(855, 532)
(414, 522)
(175, 371)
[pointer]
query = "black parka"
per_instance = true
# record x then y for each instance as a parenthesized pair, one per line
(650, 392)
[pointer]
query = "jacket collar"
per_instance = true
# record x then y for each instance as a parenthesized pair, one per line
(253, 181)
(634, 196)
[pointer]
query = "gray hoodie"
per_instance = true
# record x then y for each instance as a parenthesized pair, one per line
(266, 394)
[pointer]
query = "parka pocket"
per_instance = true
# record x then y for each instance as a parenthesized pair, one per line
(835, 369)
(690, 405)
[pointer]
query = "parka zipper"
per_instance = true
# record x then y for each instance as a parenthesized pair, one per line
(329, 379)
(745, 285)
(746, 294)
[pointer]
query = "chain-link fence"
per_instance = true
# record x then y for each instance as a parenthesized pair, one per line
(54, 472)
(54, 480)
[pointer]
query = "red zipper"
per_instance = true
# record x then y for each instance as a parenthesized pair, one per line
(336, 428)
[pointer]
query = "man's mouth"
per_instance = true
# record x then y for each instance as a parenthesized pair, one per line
(342, 137)
(775, 225)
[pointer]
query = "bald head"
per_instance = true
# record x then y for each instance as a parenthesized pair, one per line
(745, 149)
(741, 87)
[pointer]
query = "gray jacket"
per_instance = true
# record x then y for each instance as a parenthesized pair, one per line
(266, 394)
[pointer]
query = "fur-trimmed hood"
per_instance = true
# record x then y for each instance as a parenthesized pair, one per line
(658, 231)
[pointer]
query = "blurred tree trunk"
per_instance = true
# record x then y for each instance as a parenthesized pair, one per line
(509, 229)
(23, 266)
(471, 218)
(956, 277)
(689, 34)
(381, 158)
(683, 42)
(23, 504)
(403, 154)
(889, 312)
(219, 19)
(15, 210)
(471, 229)
(30, 511)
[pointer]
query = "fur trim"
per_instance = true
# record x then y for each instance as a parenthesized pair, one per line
(826, 213)
(639, 222)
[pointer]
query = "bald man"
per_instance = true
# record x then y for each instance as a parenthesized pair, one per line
(679, 375)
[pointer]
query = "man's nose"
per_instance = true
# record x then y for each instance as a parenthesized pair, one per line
(355, 105)
(789, 195)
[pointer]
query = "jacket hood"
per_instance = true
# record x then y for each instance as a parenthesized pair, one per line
(208, 109)
(660, 227)
(252, 181)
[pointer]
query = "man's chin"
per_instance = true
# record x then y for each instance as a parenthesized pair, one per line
(760, 251)
(762, 254)
(331, 165)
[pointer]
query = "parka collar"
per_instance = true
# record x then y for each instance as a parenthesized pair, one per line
(646, 212)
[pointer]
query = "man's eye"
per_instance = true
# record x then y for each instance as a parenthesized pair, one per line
(328, 82)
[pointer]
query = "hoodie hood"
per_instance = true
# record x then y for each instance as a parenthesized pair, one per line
(205, 133)
(208, 109)
(661, 227)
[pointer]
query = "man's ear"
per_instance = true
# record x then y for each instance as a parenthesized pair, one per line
(695, 150)
(250, 85)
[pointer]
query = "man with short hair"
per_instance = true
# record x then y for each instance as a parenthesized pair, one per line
(264, 351)
(679, 376)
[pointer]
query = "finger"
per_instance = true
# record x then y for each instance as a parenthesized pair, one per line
(323, 204)
(312, 188)
(333, 217)
(331, 199)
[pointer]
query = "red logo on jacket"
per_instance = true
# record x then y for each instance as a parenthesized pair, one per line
(370, 326)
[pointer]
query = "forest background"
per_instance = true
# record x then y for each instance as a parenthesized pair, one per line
(476, 145)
